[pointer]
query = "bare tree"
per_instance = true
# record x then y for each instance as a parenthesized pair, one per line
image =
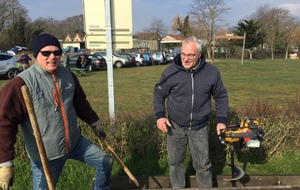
(158, 27)
(278, 24)
(296, 36)
(16, 28)
(4, 14)
(60, 29)
(176, 23)
(156, 31)
(13, 17)
(71, 25)
(288, 26)
(197, 29)
(8, 11)
(270, 25)
(208, 13)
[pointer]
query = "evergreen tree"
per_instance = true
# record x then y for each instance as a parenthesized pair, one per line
(184, 28)
(254, 35)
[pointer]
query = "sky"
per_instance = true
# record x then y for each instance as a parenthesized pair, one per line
(144, 11)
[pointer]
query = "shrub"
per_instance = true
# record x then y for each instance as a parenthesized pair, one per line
(136, 139)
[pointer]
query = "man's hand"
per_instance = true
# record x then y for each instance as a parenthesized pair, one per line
(100, 131)
(162, 124)
(6, 177)
(219, 127)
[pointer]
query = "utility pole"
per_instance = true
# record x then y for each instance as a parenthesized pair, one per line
(109, 61)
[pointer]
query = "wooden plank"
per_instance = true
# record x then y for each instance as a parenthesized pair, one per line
(247, 182)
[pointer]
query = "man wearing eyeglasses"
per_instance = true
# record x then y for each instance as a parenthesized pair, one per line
(58, 101)
(189, 85)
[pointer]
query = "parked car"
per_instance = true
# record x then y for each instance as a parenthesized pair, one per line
(143, 59)
(130, 58)
(95, 62)
(118, 61)
(9, 65)
(160, 58)
(170, 57)
(14, 50)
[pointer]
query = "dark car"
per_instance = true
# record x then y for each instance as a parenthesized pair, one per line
(117, 60)
(130, 58)
(95, 62)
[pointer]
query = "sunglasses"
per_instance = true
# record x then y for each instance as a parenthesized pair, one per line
(48, 53)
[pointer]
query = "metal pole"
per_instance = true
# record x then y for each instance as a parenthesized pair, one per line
(233, 174)
(243, 50)
(109, 50)
(213, 51)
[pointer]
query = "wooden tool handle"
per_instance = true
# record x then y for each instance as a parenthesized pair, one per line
(109, 148)
(37, 135)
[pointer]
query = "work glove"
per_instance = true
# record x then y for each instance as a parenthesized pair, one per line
(100, 131)
(6, 177)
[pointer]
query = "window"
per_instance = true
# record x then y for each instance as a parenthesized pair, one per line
(5, 57)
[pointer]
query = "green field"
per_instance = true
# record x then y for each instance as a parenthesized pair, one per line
(272, 80)
(257, 87)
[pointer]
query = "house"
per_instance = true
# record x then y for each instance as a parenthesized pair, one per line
(142, 42)
(171, 42)
(73, 44)
(146, 42)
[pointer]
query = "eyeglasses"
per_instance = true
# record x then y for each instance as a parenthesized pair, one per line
(48, 53)
(189, 56)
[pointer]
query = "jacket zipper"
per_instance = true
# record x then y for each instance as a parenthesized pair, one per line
(192, 104)
(59, 103)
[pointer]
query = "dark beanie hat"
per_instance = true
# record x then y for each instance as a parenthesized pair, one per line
(43, 40)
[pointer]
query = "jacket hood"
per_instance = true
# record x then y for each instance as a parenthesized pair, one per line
(177, 62)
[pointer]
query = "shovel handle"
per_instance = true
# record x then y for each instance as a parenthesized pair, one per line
(109, 148)
(37, 135)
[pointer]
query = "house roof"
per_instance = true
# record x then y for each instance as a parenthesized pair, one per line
(146, 36)
(68, 38)
(172, 39)
(76, 38)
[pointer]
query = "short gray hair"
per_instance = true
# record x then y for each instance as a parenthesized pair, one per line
(193, 39)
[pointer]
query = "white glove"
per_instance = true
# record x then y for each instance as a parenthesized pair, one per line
(6, 177)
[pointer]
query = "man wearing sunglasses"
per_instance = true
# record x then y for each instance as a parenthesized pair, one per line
(189, 84)
(58, 101)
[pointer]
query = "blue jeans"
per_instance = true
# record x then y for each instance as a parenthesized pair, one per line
(177, 141)
(85, 67)
(85, 151)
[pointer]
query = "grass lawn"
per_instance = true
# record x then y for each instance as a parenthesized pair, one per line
(272, 80)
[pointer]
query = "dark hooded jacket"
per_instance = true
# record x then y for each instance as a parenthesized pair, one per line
(189, 94)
